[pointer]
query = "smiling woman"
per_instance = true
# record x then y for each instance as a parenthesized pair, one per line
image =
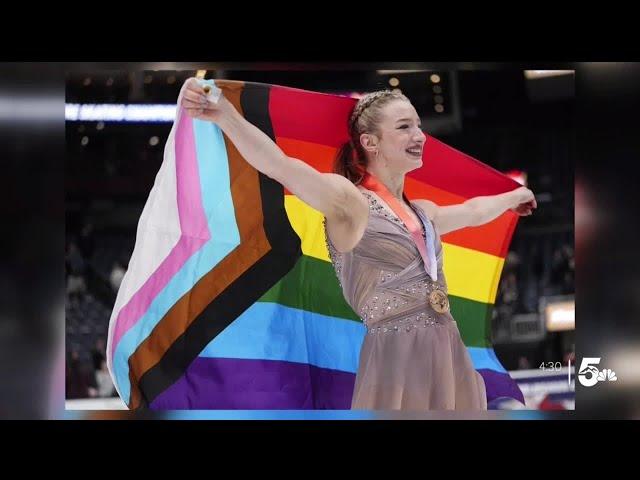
(390, 267)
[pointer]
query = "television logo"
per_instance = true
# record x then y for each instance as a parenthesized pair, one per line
(589, 375)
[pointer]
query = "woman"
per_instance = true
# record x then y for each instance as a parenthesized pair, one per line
(386, 250)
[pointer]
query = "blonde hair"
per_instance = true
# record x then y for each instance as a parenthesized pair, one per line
(351, 160)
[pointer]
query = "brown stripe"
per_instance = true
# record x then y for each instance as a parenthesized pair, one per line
(245, 191)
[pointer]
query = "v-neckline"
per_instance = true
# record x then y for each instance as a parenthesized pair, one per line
(398, 220)
(422, 244)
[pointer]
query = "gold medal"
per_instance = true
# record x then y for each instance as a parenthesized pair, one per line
(439, 301)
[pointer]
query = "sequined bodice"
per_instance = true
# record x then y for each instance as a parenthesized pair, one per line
(383, 277)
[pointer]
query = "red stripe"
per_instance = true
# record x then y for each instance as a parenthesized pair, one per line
(448, 169)
(322, 118)
(485, 238)
(310, 116)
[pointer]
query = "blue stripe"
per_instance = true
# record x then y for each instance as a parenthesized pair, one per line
(218, 206)
(485, 358)
(270, 331)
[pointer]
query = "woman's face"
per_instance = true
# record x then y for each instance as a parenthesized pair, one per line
(400, 138)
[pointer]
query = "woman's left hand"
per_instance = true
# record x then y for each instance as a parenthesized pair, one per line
(525, 201)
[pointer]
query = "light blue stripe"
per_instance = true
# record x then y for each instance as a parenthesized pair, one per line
(213, 168)
(485, 358)
(270, 331)
(215, 186)
(316, 415)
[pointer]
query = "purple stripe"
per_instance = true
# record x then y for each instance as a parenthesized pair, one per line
(235, 384)
(500, 385)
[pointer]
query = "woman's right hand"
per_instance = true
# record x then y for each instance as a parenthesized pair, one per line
(197, 105)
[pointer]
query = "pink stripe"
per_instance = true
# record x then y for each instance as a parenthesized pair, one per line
(193, 224)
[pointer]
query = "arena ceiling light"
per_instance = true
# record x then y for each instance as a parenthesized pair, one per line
(532, 74)
(110, 112)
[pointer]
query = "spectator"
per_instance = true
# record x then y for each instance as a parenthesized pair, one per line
(78, 383)
(562, 270)
(117, 274)
(75, 259)
(523, 363)
(569, 355)
(86, 240)
(509, 289)
(104, 382)
(98, 353)
(76, 286)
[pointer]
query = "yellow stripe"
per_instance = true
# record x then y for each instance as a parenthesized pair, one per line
(307, 223)
(470, 274)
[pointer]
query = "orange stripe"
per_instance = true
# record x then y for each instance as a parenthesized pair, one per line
(492, 237)
(320, 157)
(489, 238)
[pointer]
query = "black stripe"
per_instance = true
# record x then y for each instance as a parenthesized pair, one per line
(251, 285)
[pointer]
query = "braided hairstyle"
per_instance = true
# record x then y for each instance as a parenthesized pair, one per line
(351, 161)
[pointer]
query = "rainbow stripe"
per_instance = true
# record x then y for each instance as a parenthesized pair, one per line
(230, 301)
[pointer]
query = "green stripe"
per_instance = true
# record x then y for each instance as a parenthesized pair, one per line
(311, 285)
(474, 320)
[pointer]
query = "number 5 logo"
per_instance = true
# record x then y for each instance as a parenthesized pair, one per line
(588, 374)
